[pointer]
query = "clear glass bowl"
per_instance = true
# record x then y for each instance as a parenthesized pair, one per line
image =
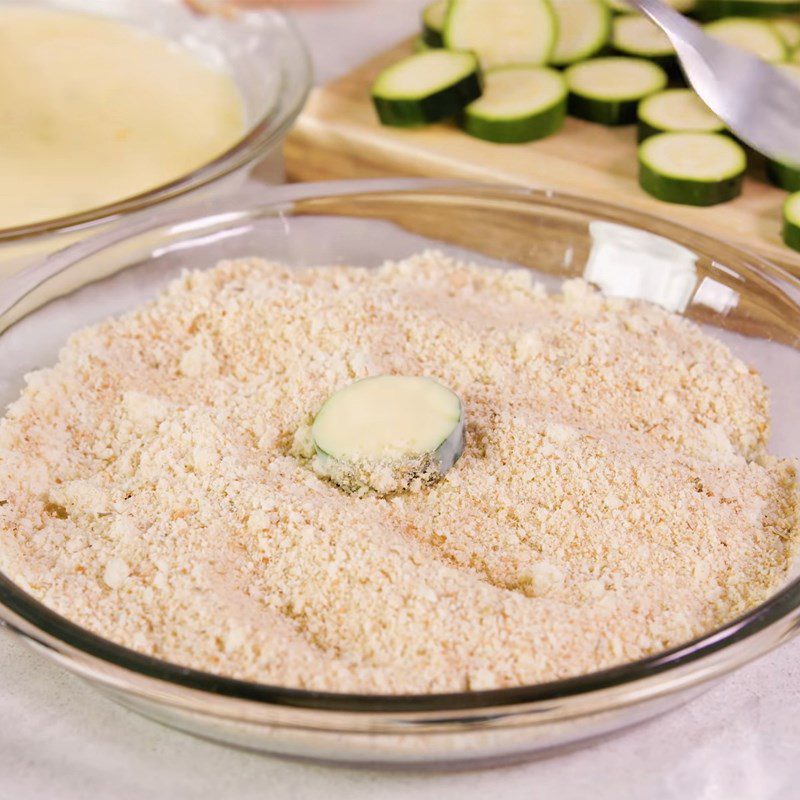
(750, 304)
(271, 67)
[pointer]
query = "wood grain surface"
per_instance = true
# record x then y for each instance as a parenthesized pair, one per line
(338, 137)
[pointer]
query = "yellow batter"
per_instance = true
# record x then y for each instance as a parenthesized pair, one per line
(92, 111)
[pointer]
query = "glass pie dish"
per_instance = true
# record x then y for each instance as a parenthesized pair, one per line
(747, 302)
(271, 67)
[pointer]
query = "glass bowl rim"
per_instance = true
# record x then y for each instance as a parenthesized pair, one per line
(16, 604)
(259, 137)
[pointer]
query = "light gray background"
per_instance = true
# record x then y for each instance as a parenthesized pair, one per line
(60, 740)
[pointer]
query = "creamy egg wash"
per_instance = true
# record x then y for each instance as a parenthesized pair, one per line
(93, 111)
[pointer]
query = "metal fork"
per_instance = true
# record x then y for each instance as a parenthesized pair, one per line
(756, 101)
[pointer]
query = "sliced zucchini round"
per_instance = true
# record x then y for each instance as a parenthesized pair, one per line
(717, 9)
(503, 32)
(621, 7)
(791, 221)
(388, 432)
(426, 87)
(676, 110)
(518, 104)
(696, 169)
(433, 17)
(754, 35)
(789, 31)
(783, 175)
(608, 90)
(786, 176)
(584, 27)
(636, 35)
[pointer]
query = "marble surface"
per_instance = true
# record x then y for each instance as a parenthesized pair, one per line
(60, 740)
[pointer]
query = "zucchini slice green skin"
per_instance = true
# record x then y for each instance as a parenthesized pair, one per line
(756, 36)
(688, 192)
(421, 45)
(604, 112)
(426, 105)
(646, 130)
(542, 118)
(629, 31)
(708, 10)
(502, 32)
(659, 182)
(432, 15)
(791, 221)
(361, 447)
(783, 175)
(594, 20)
(431, 37)
(658, 114)
(601, 107)
(789, 31)
(520, 130)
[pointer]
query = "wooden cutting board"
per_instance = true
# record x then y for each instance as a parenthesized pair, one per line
(338, 137)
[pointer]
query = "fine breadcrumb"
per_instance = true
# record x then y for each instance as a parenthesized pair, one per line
(614, 497)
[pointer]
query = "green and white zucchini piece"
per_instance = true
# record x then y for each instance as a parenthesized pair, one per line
(754, 35)
(502, 32)
(676, 110)
(718, 9)
(388, 432)
(636, 35)
(584, 28)
(784, 176)
(518, 104)
(426, 87)
(695, 169)
(789, 31)
(433, 17)
(621, 7)
(608, 90)
(791, 221)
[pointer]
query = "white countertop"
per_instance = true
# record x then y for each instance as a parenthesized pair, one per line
(61, 740)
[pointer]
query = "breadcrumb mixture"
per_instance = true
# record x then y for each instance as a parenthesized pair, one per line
(614, 497)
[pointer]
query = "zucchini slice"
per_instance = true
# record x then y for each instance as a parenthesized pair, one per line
(608, 90)
(433, 17)
(503, 32)
(426, 87)
(676, 110)
(695, 169)
(388, 433)
(783, 175)
(636, 35)
(791, 221)
(717, 9)
(621, 7)
(754, 35)
(518, 104)
(789, 31)
(584, 27)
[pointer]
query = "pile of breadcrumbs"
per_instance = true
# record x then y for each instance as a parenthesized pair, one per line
(614, 497)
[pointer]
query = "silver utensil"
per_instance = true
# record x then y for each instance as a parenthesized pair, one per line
(756, 101)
